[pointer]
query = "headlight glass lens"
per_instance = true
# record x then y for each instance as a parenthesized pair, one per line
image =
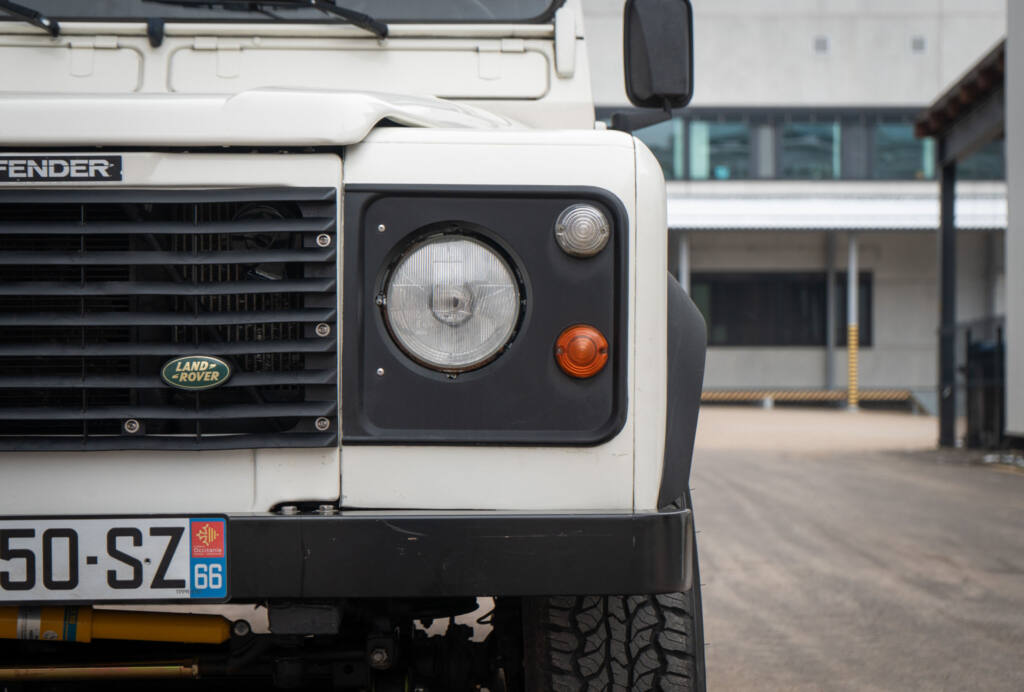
(452, 303)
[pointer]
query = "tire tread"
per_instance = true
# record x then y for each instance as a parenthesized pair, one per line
(615, 643)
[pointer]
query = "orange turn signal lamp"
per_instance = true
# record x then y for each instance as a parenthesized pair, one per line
(581, 351)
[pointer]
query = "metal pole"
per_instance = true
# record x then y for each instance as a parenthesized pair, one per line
(947, 308)
(852, 328)
(830, 310)
(684, 262)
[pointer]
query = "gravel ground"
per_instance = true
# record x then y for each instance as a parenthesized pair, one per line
(840, 551)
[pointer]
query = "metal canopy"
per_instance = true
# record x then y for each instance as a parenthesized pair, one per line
(980, 207)
(970, 113)
(967, 116)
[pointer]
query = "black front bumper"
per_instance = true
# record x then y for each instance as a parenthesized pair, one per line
(399, 555)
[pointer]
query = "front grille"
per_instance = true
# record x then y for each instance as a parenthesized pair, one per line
(100, 288)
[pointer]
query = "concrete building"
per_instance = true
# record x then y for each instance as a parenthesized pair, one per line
(796, 159)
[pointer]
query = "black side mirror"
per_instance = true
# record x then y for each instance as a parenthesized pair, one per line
(658, 46)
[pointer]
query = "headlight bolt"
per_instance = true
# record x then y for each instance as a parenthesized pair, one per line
(381, 228)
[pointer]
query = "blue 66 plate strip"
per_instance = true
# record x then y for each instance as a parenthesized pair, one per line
(113, 559)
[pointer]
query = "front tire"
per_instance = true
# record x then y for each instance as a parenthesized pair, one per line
(626, 643)
(617, 643)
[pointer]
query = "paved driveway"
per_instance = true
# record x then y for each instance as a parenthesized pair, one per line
(840, 552)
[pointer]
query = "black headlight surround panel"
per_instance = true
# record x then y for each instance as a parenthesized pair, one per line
(521, 397)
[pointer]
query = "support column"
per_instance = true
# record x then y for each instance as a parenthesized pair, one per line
(684, 262)
(852, 328)
(830, 310)
(947, 308)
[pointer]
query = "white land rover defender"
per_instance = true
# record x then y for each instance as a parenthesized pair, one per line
(353, 313)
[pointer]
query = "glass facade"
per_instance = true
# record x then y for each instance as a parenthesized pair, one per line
(810, 150)
(988, 163)
(805, 146)
(897, 155)
(719, 151)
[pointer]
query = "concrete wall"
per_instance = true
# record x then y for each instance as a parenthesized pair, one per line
(762, 52)
(905, 305)
(1015, 234)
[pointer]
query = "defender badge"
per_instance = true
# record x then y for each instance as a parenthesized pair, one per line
(195, 372)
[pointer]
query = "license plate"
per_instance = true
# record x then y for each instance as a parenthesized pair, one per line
(113, 559)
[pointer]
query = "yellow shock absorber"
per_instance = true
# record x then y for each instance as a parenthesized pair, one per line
(852, 350)
(83, 624)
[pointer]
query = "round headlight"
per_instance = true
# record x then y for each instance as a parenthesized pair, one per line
(452, 303)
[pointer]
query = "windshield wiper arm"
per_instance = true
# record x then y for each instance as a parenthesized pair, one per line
(363, 21)
(31, 16)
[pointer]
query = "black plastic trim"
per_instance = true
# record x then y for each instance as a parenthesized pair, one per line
(525, 385)
(138, 304)
(375, 555)
(687, 347)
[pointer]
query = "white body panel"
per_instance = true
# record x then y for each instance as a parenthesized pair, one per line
(508, 69)
(220, 101)
(465, 477)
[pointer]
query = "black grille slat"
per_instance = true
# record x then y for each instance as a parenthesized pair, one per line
(162, 288)
(165, 442)
(252, 411)
(245, 379)
(55, 319)
(163, 196)
(168, 349)
(75, 228)
(78, 259)
(100, 288)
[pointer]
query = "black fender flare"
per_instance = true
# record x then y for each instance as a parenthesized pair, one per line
(687, 348)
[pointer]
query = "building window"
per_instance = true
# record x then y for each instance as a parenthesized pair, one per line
(665, 140)
(897, 155)
(719, 150)
(802, 144)
(988, 163)
(810, 150)
(775, 309)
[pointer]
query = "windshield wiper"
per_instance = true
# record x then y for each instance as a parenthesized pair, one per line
(31, 16)
(363, 21)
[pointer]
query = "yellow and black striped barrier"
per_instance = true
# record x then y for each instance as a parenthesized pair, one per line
(728, 396)
(852, 356)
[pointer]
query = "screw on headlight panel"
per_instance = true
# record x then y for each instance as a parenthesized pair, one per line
(381, 228)
(380, 372)
(582, 230)
(323, 329)
(323, 240)
(322, 424)
(131, 426)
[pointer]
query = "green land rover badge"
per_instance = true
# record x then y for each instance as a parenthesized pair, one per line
(195, 372)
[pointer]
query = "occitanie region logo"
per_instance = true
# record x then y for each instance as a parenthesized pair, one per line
(207, 539)
(195, 372)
